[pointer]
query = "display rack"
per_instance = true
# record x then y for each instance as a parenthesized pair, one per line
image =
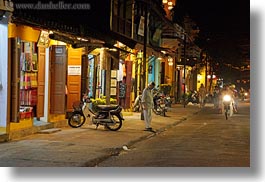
(28, 79)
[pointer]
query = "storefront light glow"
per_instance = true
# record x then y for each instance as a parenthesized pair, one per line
(209, 76)
(170, 63)
(170, 59)
(170, 7)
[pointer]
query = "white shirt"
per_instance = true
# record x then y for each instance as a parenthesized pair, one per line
(147, 98)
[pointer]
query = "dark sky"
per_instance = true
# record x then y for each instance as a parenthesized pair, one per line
(226, 23)
(225, 16)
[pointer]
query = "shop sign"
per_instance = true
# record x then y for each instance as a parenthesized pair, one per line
(44, 39)
(141, 27)
(74, 70)
(122, 89)
(157, 35)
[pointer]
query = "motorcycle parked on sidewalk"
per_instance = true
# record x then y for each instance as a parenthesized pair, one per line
(228, 105)
(109, 116)
(159, 105)
(193, 97)
(168, 101)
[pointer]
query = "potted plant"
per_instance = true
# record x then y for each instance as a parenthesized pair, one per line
(101, 101)
(165, 88)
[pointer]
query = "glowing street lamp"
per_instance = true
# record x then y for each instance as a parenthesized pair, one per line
(170, 61)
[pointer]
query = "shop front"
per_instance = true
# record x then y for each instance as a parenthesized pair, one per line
(24, 66)
(44, 77)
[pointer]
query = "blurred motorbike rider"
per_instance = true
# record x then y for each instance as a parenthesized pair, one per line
(216, 93)
(225, 91)
(235, 97)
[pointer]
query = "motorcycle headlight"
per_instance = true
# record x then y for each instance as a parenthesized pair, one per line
(246, 94)
(227, 98)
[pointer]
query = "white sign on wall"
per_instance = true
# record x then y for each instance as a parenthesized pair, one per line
(141, 26)
(74, 70)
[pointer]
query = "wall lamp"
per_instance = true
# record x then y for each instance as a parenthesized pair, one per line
(6, 8)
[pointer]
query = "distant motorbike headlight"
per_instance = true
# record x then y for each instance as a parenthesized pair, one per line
(227, 98)
(246, 94)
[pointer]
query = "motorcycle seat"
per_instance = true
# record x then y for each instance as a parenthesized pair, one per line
(107, 107)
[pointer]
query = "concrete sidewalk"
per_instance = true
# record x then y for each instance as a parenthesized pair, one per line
(85, 146)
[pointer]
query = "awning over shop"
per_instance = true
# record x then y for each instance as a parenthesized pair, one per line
(149, 50)
(71, 36)
(123, 39)
(75, 41)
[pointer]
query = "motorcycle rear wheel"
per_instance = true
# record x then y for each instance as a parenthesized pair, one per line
(164, 113)
(76, 120)
(116, 125)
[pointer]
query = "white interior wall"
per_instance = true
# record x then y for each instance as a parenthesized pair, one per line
(46, 94)
(3, 73)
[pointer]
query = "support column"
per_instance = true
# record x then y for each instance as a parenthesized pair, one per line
(108, 80)
(47, 85)
(3, 72)
(184, 78)
(143, 70)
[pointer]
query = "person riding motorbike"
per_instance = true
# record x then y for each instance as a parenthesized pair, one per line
(216, 93)
(225, 91)
(235, 97)
(242, 93)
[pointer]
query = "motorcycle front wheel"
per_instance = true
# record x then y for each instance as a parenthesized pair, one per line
(76, 120)
(157, 112)
(116, 125)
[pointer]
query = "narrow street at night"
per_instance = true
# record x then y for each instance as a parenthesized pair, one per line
(206, 139)
(130, 83)
(187, 137)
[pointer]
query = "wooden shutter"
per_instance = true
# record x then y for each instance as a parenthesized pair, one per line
(129, 83)
(15, 78)
(41, 81)
(162, 73)
(58, 79)
(84, 74)
(73, 80)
